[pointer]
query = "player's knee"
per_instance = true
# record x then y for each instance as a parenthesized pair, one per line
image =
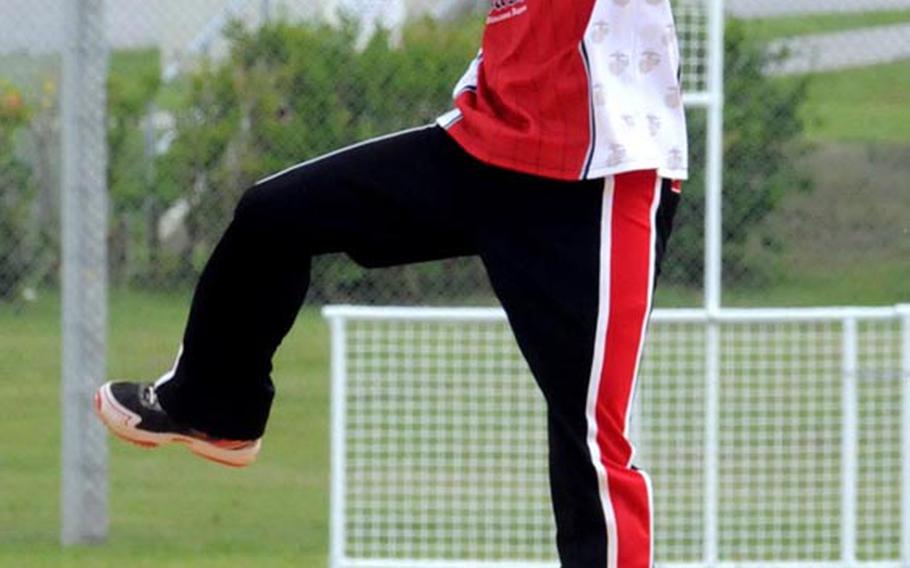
(258, 217)
(255, 205)
(275, 212)
(266, 210)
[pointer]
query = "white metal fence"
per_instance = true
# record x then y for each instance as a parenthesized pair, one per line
(786, 442)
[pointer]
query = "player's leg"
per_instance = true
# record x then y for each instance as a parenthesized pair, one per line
(575, 269)
(386, 202)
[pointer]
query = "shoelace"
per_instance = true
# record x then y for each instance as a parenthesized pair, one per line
(149, 396)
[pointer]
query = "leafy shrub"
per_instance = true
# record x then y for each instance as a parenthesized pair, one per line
(15, 192)
(762, 143)
(133, 82)
(292, 92)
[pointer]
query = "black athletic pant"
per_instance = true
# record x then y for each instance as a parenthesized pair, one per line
(573, 263)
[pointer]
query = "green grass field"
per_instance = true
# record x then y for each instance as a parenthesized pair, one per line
(870, 104)
(167, 508)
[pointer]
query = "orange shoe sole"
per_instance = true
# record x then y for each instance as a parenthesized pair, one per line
(122, 423)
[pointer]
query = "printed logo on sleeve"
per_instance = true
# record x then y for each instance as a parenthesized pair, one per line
(502, 10)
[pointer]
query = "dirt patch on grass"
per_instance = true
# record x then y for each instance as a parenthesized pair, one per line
(859, 210)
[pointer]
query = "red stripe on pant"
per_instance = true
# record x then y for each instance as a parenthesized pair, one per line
(635, 199)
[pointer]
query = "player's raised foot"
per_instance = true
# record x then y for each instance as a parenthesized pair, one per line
(131, 411)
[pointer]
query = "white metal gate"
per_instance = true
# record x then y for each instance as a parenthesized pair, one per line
(774, 437)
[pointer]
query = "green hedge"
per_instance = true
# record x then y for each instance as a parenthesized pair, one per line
(290, 92)
(16, 192)
(763, 141)
(293, 92)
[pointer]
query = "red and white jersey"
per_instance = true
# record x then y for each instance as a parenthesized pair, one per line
(575, 89)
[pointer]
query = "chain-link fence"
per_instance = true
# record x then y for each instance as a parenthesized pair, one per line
(816, 146)
(205, 97)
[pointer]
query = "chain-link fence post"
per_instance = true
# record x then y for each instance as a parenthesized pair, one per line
(84, 513)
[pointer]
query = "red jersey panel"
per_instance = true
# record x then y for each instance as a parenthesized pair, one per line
(574, 89)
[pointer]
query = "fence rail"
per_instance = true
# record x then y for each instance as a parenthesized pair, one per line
(395, 563)
(680, 315)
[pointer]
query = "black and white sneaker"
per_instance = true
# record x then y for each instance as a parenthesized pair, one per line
(131, 411)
